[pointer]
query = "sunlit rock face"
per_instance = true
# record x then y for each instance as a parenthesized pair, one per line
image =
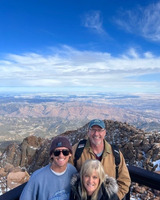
(16, 178)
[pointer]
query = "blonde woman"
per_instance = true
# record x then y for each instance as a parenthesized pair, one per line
(93, 184)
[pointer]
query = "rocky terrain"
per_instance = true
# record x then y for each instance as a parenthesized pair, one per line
(139, 148)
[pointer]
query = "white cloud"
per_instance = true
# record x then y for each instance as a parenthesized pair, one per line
(71, 67)
(143, 21)
(132, 52)
(148, 55)
(93, 20)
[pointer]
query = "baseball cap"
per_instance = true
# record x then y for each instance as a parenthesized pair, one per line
(97, 122)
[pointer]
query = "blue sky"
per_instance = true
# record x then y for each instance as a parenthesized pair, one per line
(80, 45)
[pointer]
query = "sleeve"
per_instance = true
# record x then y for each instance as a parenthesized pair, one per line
(30, 191)
(123, 180)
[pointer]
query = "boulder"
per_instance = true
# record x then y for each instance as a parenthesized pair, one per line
(17, 178)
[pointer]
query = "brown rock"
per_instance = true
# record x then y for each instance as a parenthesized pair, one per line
(2, 172)
(8, 167)
(137, 143)
(15, 179)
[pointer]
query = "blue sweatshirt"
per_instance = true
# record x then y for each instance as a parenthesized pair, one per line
(45, 185)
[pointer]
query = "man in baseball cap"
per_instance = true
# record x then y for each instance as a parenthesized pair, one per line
(53, 180)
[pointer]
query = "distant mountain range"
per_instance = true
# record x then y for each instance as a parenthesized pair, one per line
(47, 116)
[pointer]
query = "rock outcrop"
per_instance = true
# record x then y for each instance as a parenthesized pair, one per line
(16, 178)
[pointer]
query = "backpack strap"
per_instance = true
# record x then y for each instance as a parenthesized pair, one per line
(116, 154)
(79, 150)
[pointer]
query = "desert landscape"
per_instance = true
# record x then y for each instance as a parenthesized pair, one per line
(47, 116)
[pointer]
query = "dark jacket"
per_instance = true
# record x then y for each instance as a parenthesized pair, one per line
(107, 191)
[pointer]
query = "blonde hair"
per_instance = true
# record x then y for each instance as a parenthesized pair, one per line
(88, 168)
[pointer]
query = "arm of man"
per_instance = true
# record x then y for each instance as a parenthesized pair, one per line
(123, 179)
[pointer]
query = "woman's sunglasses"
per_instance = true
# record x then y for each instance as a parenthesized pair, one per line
(64, 151)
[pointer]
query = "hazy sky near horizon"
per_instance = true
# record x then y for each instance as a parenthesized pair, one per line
(86, 45)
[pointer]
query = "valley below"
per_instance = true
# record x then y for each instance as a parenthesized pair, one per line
(48, 116)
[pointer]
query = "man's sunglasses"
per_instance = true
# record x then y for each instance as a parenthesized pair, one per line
(64, 151)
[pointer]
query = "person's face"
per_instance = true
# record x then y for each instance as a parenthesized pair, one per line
(96, 135)
(60, 157)
(90, 182)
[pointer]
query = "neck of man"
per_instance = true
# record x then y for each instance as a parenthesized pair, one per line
(58, 169)
(97, 148)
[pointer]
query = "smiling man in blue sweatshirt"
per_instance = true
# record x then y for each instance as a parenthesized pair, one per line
(52, 182)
